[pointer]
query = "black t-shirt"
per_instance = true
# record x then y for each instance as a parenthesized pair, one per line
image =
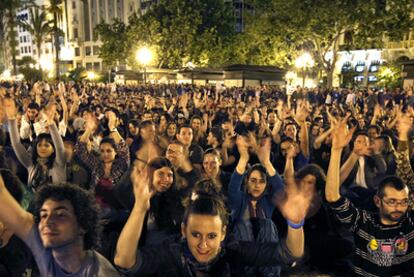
(15, 259)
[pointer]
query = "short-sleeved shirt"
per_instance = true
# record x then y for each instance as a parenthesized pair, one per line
(94, 264)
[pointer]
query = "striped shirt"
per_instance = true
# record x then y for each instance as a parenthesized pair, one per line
(381, 250)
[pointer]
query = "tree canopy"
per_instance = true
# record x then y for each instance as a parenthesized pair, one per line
(203, 31)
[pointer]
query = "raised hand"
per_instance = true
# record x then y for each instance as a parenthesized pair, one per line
(263, 151)
(291, 151)
(341, 135)
(141, 183)
(10, 108)
(111, 120)
(242, 146)
(50, 112)
(295, 203)
(404, 125)
(90, 123)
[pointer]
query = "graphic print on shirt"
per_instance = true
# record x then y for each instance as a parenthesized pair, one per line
(383, 251)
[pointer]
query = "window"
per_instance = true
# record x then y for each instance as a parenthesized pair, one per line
(88, 66)
(34, 51)
(75, 33)
(97, 66)
(21, 40)
(47, 51)
(79, 64)
(21, 50)
(30, 49)
(73, 5)
(25, 49)
(88, 51)
(77, 51)
(24, 39)
(96, 50)
(372, 78)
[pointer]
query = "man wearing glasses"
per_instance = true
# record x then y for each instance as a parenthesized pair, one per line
(384, 241)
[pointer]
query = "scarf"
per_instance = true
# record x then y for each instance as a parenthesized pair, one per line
(40, 175)
(193, 266)
(258, 212)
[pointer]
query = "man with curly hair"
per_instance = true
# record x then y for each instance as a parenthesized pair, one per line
(62, 233)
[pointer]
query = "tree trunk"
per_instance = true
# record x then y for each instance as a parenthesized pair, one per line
(57, 46)
(329, 77)
(12, 43)
(38, 45)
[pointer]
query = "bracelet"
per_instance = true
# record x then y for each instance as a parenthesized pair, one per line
(295, 226)
(113, 130)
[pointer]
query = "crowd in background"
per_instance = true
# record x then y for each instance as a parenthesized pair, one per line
(269, 163)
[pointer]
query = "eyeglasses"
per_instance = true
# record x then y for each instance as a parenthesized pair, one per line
(254, 181)
(394, 203)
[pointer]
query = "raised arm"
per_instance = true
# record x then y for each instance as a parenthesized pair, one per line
(54, 133)
(81, 148)
(402, 157)
(321, 138)
(112, 128)
(300, 118)
(21, 152)
(358, 151)
(127, 246)
(234, 192)
(12, 215)
(61, 94)
(264, 156)
(341, 137)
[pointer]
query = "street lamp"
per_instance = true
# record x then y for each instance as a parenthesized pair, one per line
(144, 57)
(290, 76)
(91, 75)
(304, 62)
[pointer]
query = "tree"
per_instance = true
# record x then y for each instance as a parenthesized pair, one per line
(115, 44)
(319, 25)
(179, 31)
(9, 8)
(56, 10)
(390, 75)
(38, 27)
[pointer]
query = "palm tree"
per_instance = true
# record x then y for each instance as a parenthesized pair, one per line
(9, 8)
(56, 10)
(38, 27)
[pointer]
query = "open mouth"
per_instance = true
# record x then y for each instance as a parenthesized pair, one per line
(202, 253)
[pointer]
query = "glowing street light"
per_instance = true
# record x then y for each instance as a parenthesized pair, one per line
(290, 76)
(91, 75)
(144, 56)
(46, 63)
(304, 62)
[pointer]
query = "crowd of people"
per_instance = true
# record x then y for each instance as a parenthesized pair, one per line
(185, 180)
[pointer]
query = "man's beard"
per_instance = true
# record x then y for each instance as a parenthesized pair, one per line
(395, 219)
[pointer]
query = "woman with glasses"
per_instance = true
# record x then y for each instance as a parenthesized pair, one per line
(252, 206)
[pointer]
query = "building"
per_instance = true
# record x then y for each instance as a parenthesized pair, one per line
(241, 8)
(79, 46)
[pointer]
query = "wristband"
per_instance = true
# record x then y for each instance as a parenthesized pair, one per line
(113, 130)
(295, 226)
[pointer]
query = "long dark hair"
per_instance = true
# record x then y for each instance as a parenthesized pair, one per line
(316, 171)
(164, 205)
(43, 137)
(262, 172)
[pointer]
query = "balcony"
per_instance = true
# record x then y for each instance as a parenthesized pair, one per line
(400, 44)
